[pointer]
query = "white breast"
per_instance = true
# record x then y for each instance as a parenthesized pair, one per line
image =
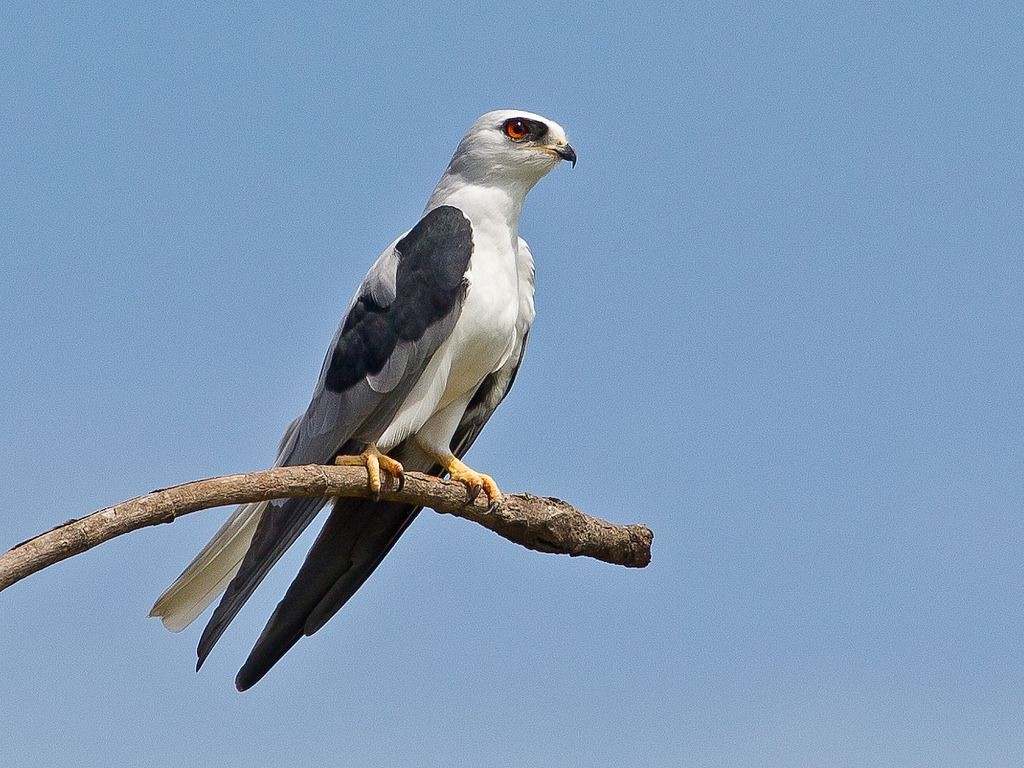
(485, 334)
(483, 337)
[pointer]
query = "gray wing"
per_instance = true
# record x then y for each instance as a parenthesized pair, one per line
(404, 310)
(359, 533)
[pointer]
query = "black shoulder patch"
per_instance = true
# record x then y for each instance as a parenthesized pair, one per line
(432, 263)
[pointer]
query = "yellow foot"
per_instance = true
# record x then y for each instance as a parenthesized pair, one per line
(374, 461)
(474, 481)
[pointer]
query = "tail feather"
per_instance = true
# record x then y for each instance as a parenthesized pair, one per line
(210, 572)
(280, 525)
(357, 536)
(216, 565)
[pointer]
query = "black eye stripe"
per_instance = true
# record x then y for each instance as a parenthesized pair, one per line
(535, 129)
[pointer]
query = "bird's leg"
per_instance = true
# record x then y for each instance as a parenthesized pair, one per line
(374, 461)
(473, 480)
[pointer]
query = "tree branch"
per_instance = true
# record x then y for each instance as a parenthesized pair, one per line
(542, 524)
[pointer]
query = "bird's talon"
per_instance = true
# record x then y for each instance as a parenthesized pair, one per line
(475, 482)
(374, 461)
(492, 508)
(401, 482)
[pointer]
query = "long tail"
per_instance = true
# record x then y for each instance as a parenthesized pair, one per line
(357, 536)
(210, 572)
(213, 568)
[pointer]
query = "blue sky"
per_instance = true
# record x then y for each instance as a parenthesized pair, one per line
(781, 321)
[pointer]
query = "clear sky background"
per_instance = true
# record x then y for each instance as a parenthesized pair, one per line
(780, 320)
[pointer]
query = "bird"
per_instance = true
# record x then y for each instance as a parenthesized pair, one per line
(427, 349)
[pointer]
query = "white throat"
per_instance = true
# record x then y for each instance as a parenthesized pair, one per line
(480, 202)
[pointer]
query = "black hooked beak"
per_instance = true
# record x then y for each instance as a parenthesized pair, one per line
(567, 153)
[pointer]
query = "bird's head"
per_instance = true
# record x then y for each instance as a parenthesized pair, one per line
(510, 147)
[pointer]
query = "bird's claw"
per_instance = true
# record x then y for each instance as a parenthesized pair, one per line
(375, 462)
(475, 482)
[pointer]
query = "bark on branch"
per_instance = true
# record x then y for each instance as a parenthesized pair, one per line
(542, 524)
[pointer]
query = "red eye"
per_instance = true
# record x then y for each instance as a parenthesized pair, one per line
(515, 129)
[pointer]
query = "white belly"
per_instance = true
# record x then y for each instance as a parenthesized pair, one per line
(481, 342)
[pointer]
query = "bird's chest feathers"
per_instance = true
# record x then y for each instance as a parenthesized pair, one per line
(486, 329)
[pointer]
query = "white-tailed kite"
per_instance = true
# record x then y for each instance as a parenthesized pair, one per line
(428, 348)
